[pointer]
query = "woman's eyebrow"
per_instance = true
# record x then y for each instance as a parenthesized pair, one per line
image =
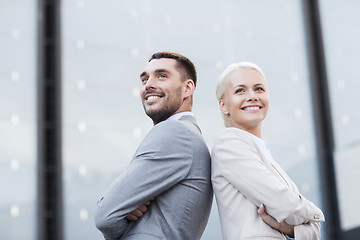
(240, 85)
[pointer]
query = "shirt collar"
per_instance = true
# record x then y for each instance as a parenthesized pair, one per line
(177, 116)
(256, 139)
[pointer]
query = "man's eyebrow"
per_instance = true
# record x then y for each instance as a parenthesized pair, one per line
(142, 74)
(162, 70)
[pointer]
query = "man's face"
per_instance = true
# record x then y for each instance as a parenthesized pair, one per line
(162, 89)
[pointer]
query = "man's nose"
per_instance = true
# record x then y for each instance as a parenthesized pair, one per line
(150, 83)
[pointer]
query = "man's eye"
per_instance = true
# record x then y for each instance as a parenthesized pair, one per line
(162, 76)
(144, 80)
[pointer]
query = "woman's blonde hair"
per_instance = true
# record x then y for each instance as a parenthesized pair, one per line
(224, 78)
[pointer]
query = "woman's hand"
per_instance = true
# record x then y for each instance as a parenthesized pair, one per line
(269, 220)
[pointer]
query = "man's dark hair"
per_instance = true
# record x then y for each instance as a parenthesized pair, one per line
(183, 63)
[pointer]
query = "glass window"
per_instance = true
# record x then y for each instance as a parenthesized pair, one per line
(17, 119)
(105, 46)
(341, 21)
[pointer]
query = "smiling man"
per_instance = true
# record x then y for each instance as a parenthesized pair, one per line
(165, 193)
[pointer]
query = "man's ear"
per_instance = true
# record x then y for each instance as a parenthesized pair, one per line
(189, 88)
(223, 107)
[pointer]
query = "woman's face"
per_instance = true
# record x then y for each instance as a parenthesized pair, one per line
(245, 100)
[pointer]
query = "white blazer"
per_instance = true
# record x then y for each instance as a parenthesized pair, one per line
(244, 175)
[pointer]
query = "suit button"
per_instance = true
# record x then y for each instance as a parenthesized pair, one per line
(316, 216)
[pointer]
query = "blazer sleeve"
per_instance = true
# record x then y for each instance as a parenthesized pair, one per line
(240, 164)
(163, 159)
(308, 231)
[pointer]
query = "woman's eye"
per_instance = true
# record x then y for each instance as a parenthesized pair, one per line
(240, 90)
(260, 89)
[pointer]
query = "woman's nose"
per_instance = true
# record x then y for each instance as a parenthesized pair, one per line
(252, 96)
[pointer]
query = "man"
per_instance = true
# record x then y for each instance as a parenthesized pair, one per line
(165, 193)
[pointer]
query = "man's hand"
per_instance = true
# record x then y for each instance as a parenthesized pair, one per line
(269, 220)
(137, 213)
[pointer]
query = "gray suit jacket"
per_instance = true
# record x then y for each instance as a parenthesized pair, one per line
(172, 165)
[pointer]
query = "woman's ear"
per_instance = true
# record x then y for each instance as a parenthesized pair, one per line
(222, 107)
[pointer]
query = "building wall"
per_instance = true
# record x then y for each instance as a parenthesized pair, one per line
(106, 44)
(341, 23)
(17, 119)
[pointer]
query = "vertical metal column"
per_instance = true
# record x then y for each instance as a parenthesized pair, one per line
(49, 208)
(322, 113)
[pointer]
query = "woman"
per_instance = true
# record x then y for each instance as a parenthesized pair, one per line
(245, 178)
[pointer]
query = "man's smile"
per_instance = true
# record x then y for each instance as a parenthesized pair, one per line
(152, 97)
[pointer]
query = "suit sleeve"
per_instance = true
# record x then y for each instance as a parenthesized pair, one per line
(163, 159)
(308, 231)
(242, 166)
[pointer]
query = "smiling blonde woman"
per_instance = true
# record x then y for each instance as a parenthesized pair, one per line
(245, 177)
